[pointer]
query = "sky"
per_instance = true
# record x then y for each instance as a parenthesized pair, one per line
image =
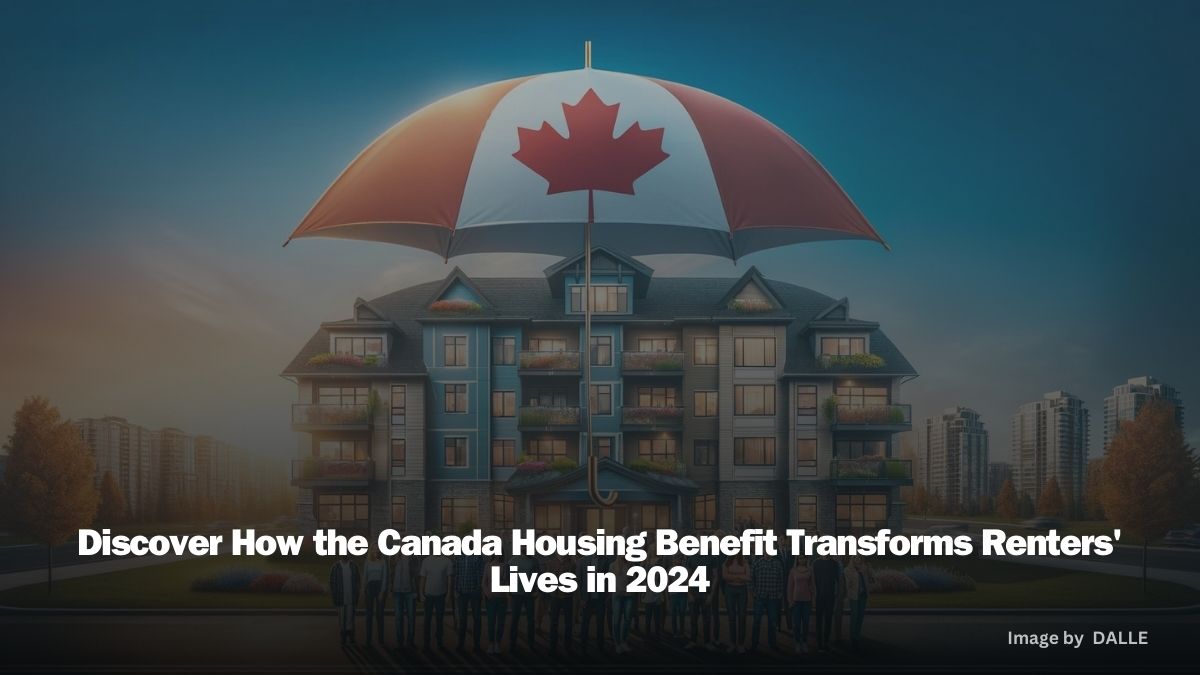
(1033, 166)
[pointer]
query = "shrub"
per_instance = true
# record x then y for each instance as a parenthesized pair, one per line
(302, 584)
(563, 464)
(327, 358)
(651, 466)
(939, 579)
(533, 466)
(893, 581)
(830, 361)
(271, 582)
(228, 579)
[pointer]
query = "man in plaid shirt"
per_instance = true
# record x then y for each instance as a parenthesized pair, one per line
(766, 582)
(468, 594)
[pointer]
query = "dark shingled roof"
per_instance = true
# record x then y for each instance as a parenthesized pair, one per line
(688, 299)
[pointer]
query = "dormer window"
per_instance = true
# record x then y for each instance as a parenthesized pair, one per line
(606, 299)
(843, 346)
(358, 346)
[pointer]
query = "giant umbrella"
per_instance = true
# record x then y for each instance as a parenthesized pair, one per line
(633, 163)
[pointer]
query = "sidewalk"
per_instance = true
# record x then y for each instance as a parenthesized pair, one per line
(29, 577)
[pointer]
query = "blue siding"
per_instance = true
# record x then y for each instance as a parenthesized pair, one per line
(472, 424)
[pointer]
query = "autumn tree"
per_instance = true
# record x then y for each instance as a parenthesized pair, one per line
(1050, 501)
(1149, 479)
(1093, 510)
(1006, 502)
(48, 478)
(113, 508)
(984, 505)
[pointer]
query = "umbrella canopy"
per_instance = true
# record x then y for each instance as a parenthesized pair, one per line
(671, 169)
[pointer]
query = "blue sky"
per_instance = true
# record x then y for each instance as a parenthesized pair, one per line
(1033, 166)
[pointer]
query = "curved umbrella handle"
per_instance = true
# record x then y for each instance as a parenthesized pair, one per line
(594, 488)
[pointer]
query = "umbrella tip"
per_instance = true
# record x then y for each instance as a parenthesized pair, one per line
(587, 54)
(886, 247)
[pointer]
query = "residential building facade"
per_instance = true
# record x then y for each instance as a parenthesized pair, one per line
(954, 456)
(1127, 400)
(716, 403)
(1050, 439)
(997, 473)
(126, 451)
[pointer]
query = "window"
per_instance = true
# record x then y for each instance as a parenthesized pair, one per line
(399, 456)
(456, 451)
(548, 519)
(601, 350)
(504, 509)
(843, 346)
(504, 403)
(343, 395)
(656, 397)
(504, 452)
(456, 398)
(856, 449)
(605, 299)
(754, 351)
(806, 400)
(658, 449)
(704, 452)
(754, 512)
(704, 513)
(358, 346)
(504, 351)
(399, 404)
(704, 351)
(754, 451)
(655, 516)
(548, 398)
(399, 512)
(603, 446)
(454, 350)
(704, 404)
(861, 513)
(806, 513)
(547, 345)
(806, 455)
(351, 450)
(600, 402)
(545, 449)
(343, 511)
(858, 397)
(663, 344)
(459, 514)
(754, 399)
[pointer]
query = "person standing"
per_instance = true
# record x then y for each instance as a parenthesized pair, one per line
(560, 604)
(497, 605)
(375, 593)
(435, 578)
(736, 575)
(344, 583)
(405, 580)
(826, 574)
(467, 586)
(767, 582)
(859, 579)
(839, 602)
(701, 602)
(522, 599)
(800, 591)
(716, 565)
(678, 602)
(593, 603)
(623, 605)
(653, 603)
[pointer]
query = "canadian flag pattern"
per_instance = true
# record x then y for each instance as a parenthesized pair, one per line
(504, 167)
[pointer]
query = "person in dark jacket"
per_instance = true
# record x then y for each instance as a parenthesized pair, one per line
(344, 586)
(827, 578)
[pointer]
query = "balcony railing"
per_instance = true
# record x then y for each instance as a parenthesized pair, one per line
(320, 469)
(549, 362)
(892, 415)
(652, 362)
(670, 417)
(541, 417)
(871, 468)
(321, 415)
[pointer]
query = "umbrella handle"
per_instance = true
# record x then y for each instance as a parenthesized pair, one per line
(594, 487)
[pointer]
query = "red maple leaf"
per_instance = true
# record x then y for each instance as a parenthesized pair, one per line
(590, 157)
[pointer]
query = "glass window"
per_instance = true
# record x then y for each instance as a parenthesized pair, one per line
(602, 350)
(605, 299)
(343, 395)
(504, 351)
(504, 403)
(806, 513)
(754, 399)
(658, 449)
(754, 512)
(343, 511)
(655, 516)
(358, 346)
(704, 513)
(857, 449)
(545, 449)
(504, 452)
(547, 345)
(600, 401)
(858, 397)
(456, 398)
(704, 452)
(399, 456)
(456, 451)
(806, 455)
(705, 403)
(348, 449)
(399, 404)
(658, 344)
(806, 400)
(399, 512)
(459, 514)
(861, 513)
(704, 351)
(504, 509)
(604, 447)
(548, 398)
(843, 346)
(754, 351)
(454, 349)
(548, 519)
(656, 397)
(754, 451)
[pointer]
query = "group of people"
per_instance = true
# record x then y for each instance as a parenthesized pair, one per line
(782, 588)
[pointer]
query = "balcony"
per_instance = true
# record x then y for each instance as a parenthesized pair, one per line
(548, 363)
(324, 472)
(652, 418)
(890, 417)
(872, 469)
(548, 418)
(320, 416)
(652, 363)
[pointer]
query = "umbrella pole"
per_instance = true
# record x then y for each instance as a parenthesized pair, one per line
(593, 460)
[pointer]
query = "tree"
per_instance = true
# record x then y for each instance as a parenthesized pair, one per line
(1006, 501)
(920, 500)
(984, 505)
(1050, 501)
(113, 508)
(1025, 506)
(1093, 510)
(49, 477)
(1148, 481)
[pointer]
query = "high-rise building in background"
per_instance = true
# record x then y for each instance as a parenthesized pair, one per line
(124, 450)
(1127, 399)
(1050, 439)
(954, 456)
(998, 472)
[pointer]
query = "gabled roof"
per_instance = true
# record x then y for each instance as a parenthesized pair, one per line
(457, 276)
(838, 310)
(603, 260)
(752, 276)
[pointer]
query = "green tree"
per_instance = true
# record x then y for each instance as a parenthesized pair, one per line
(49, 478)
(1007, 505)
(113, 508)
(1149, 480)
(1050, 501)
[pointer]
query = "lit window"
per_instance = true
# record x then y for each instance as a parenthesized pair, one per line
(704, 351)
(704, 513)
(754, 351)
(459, 514)
(704, 403)
(504, 452)
(456, 451)
(754, 512)
(454, 348)
(754, 399)
(754, 451)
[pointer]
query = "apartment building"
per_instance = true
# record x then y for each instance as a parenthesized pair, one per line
(997, 473)
(1050, 439)
(954, 456)
(1127, 399)
(716, 403)
(125, 450)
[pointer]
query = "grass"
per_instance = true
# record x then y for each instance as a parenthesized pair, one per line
(1075, 527)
